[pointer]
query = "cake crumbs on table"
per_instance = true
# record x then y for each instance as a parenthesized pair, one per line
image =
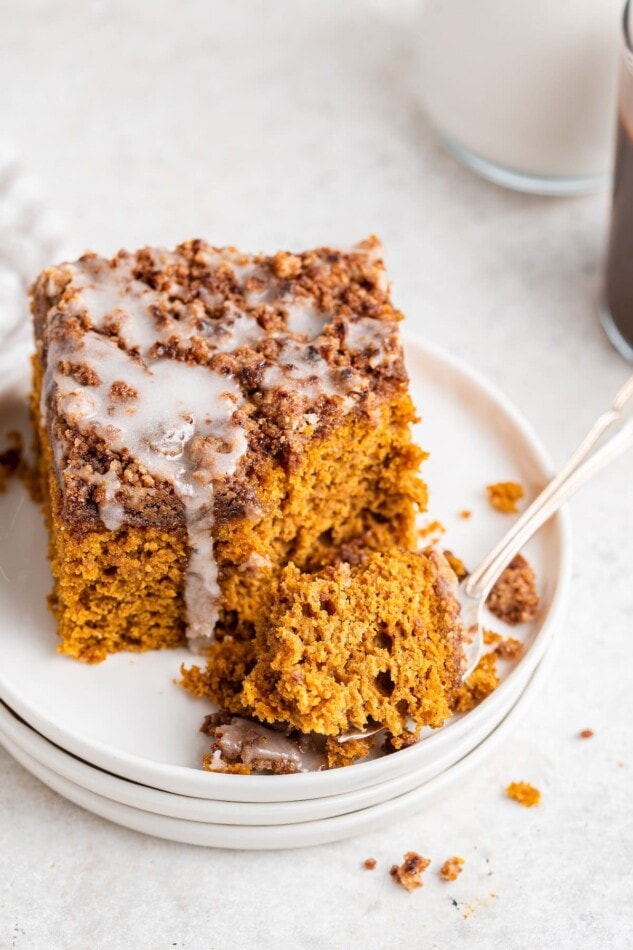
(433, 527)
(369, 864)
(503, 496)
(514, 598)
(586, 734)
(409, 873)
(523, 793)
(452, 868)
(465, 514)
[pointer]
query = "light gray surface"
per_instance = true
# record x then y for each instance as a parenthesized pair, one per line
(252, 124)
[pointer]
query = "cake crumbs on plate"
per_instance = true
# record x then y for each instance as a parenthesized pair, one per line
(433, 527)
(369, 864)
(491, 638)
(514, 598)
(481, 682)
(506, 648)
(510, 649)
(523, 793)
(409, 873)
(457, 565)
(395, 743)
(465, 514)
(452, 868)
(503, 496)
(586, 734)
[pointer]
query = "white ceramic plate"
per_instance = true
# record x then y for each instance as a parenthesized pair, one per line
(128, 717)
(301, 834)
(41, 750)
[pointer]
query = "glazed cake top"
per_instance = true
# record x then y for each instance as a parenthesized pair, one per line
(162, 368)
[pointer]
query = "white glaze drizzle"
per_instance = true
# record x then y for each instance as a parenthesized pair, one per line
(310, 375)
(372, 335)
(302, 317)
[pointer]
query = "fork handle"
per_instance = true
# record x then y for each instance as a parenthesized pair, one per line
(610, 435)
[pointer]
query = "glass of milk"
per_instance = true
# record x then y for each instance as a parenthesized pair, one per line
(523, 91)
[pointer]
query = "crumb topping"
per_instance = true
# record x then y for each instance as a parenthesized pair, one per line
(523, 793)
(409, 873)
(369, 864)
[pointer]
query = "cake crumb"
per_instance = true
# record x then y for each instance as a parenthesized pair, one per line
(369, 864)
(513, 598)
(510, 649)
(481, 682)
(452, 868)
(409, 873)
(456, 564)
(465, 514)
(491, 638)
(503, 496)
(395, 743)
(523, 793)
(586, 734)
(339, 754)
(434, 527)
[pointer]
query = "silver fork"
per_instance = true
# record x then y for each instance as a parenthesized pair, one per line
(610, 435)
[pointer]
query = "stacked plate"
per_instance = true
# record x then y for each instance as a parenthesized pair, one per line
(122, 738)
